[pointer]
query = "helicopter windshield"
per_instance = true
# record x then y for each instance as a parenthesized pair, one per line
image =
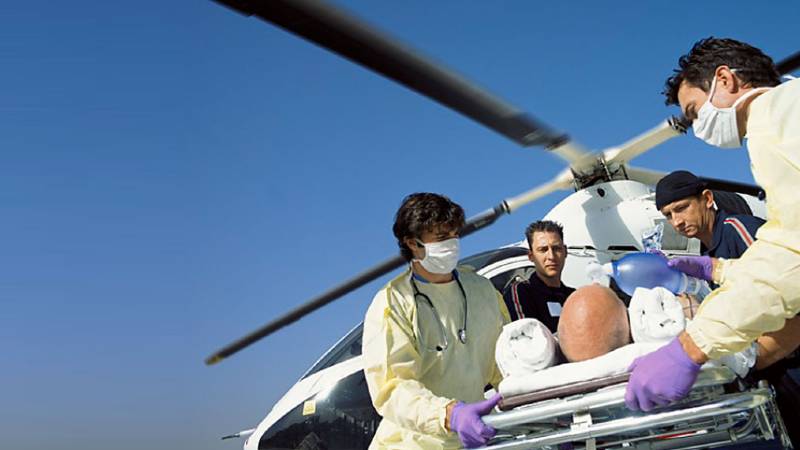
(347, 347)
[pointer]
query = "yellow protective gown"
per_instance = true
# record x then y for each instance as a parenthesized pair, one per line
(411, 383)
(760, 290)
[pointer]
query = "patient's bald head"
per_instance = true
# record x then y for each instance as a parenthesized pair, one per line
(593, 322)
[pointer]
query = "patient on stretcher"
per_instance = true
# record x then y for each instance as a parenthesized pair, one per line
(593, 322)
(597, 336)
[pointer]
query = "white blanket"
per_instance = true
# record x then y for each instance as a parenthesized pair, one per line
(655, 315)
(524, 346)
(525, 351)
(613, 363)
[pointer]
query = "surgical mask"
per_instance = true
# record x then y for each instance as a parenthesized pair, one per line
(718, 126)
(440, 257)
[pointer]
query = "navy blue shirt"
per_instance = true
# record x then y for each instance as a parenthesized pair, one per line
(732, 234)
(532, 298)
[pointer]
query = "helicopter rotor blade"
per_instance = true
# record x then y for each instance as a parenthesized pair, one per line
(561, 181)
(343, 34)
(668, 129)
(307, 308)
(474, 224)
(733, 186)
(789, 64)
(646, 176)
(651, 177)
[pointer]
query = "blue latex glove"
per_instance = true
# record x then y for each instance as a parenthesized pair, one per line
(695, 266)
(465, 419)
(660, 377)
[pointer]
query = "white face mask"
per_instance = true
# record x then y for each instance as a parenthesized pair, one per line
(717, 126)
(440, 257)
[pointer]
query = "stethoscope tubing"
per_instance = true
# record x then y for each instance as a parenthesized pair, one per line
(462, 333)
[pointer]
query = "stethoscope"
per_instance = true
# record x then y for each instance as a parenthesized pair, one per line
(462, 332)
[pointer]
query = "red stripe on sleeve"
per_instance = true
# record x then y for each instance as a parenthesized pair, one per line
(742, 230)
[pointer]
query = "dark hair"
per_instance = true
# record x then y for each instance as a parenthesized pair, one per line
(697, 67)
(543, 225)
(424, 211)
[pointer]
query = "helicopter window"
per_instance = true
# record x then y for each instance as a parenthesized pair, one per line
(623, 248)
(342, 419)
(483, 259)
(348, 347)
(672, 240)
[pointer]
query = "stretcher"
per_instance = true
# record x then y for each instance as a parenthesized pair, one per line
(721, 410)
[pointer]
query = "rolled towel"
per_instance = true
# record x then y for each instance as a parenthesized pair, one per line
(525, 346)
(655, 315)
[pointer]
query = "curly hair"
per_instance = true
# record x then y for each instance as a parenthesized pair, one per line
(422, 212)
(697, 67)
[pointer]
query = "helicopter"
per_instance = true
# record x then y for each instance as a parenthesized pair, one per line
(606, 188)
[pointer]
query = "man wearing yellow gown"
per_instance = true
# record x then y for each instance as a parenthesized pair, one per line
(429, 337)
(731, 90)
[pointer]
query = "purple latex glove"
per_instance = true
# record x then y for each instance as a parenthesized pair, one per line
(695, 266)
(465, 419)
(660, 377)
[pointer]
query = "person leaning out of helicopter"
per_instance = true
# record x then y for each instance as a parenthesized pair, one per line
(691, 209)
(429, 337)
(730, 90)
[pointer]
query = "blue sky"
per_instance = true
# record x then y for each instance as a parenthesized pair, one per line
(174, 175)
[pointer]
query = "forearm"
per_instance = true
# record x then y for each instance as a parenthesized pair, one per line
(719, 268)
(772, 347)
(449, 414)
(691, 349)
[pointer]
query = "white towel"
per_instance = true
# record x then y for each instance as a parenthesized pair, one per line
(613, 363)
(524, 346)
(655, 315)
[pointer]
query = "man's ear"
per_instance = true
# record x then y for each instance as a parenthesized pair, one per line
(727, 79)
(412, 245)
(530, 255)
(708, 198)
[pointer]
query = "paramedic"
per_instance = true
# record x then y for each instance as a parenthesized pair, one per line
(543, 294)
(731, 90)
(429, 337)
(690, 208)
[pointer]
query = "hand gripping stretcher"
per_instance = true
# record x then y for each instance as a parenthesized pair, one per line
(719, 411)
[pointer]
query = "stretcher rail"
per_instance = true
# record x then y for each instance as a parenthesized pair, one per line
(719, 411)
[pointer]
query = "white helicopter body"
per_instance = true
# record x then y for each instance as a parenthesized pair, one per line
(601, 223)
